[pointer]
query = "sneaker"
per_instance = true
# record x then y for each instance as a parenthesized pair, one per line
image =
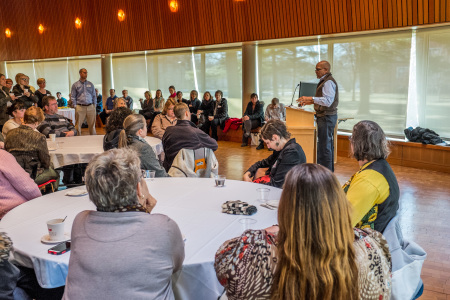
(244, 145)
(260, 146)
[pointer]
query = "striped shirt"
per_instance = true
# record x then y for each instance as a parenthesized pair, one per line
(56, 124)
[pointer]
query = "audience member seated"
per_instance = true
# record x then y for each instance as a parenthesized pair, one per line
(373, 191)
(147, 106)
(253, 118)
(121, 251)
(54, 123)
(119, 102)
(275, 111)
(16, 111)
(205, 110)
(114, 126)
(165, 119)
(99, 107)
(22, 91)
(62, 102)
(172, 91)
(159, 101)
(287, 154)
(29, 147)
(313, 254)
(5, 101)
(9, 85)
(180, 98)
(2, 141)
(109, 106)
(41, 92)
(133, 136)
(184, 135)
(16, 186)
(194, 104)
(220, 114)
(128, 99)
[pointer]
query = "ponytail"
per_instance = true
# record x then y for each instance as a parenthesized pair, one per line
(123, 140)
(131, 125)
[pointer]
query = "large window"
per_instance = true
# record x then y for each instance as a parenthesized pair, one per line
(25, 67)
(282, 67)
(56, 76)
(372, 72)
(92, 65)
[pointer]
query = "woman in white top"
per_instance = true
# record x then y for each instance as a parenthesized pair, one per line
(16, 111)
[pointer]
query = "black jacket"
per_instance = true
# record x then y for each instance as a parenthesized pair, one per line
(193, 105)
(28, 101)
(221, 109)
(257, 113)
(207, 107)
(280, 162)
(184, 135)
(4, 99)
(111, 140)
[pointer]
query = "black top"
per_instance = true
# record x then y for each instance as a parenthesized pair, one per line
(41, 96)
(221, 109)
(184, 135)
(257, 113)
(280, 162)
(207, 107)
(27, 101)
(193, 105)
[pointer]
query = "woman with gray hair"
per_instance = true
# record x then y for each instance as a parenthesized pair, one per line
(133, 136)
(142, 250)
(373, 190)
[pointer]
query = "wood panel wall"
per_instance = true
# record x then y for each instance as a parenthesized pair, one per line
(407, 154)
(149, 24)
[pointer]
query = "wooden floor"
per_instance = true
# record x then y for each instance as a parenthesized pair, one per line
(424, 208)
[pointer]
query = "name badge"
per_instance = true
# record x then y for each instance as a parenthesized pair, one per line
(219, 106)
(48, 95)
(62, 120)
(88, 85)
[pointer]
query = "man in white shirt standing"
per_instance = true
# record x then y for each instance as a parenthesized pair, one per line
(85, 101)
(325, 103)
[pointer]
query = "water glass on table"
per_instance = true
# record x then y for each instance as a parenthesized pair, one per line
(149, 174)
(220, 180)
(263, 194)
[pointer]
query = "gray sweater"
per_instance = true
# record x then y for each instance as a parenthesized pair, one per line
(149, 160)
(127, 255)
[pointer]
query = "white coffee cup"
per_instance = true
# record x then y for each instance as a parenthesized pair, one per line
(56, 229)
(52, 136)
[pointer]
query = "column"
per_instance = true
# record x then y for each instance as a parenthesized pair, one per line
(107, 76)
(249, 72)
(3, 69)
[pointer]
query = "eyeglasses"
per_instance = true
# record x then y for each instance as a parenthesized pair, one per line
(24, 79)
(318, 69)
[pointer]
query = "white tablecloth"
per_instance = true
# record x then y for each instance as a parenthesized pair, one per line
(81, 149)
(195, 204)
(69, 113)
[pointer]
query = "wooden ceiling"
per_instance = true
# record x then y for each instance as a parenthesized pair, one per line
(149, 24)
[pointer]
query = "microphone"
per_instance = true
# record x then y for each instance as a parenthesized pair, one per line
(294, 93)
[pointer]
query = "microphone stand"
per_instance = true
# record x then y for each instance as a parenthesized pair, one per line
(294, 94)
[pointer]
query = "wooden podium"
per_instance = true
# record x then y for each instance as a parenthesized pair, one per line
(300, 123)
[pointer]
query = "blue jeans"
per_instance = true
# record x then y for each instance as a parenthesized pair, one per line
(325, 143)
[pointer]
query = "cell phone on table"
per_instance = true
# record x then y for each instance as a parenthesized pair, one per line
(60, 248)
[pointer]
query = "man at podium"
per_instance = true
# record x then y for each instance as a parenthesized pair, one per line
(325, 103)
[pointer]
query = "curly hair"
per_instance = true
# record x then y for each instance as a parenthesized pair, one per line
(116, 118)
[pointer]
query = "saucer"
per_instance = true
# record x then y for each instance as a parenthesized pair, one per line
(46, 239)
(77, 192)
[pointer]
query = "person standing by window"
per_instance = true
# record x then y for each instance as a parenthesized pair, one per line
(84, 100)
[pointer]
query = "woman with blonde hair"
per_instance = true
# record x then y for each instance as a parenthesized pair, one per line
(165, 119)
(147, 106)
(23, 92)
(314, 253)
(41, 92)
(133, 136)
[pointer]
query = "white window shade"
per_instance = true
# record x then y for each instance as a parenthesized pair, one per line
(130, 73)
(25, 67)
(372, 72)
(282, 67)
(92, 65)
(56, 76)
(433, 74)
(221, 70)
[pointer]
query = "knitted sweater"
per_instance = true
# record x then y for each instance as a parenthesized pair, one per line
(56, 124)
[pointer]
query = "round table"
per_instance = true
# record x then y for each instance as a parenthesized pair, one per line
(69, 113)
(193, 203)
(81, 149)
